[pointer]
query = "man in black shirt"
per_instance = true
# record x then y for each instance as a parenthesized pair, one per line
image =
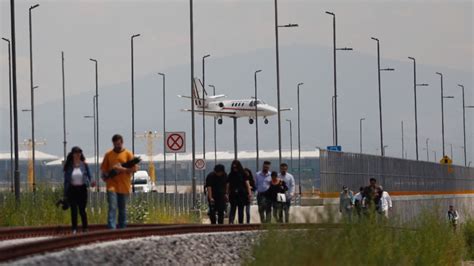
(216, 193)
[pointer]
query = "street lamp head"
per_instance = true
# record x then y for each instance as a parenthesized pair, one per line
(93, 60)
(161, 74)
(330, 13)
(35, 87)
(206, 56)
(375, 39)
(448, 97)
(26, 110)
(135, 35)
(412, 58)
(288, 120)
(460, 85)
(212, 86)
(299, 84)
(469, 106)
(35, 6)
(438, 73)
(422, 84)
(5, 39)
(387, 69)
(344, 49)
(290, 25)
(258, 71)
(362, 119)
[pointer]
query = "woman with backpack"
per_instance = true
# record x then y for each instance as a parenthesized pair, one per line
(238, 189)
(77, 179)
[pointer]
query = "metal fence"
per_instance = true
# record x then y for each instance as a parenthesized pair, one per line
(398, 175)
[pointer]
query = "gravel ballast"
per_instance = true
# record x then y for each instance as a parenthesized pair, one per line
(189, 249)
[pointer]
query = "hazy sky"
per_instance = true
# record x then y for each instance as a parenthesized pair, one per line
(437, 33)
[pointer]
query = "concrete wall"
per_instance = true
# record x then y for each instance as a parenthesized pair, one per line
(405, 208)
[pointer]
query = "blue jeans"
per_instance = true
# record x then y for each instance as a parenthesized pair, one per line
(117, 200)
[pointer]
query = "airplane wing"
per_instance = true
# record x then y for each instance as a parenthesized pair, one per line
(217, 113)
(189, 97)
(285, 109)
(213, 97)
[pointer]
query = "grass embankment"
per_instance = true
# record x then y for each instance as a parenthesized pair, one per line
(428, 241)
(40, 209)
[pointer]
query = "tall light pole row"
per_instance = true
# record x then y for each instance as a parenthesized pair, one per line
(33, 141)
(163, 76)
(133, 101)
(10, 110)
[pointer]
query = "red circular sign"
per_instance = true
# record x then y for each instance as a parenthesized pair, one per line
(200, 164)
(175, 142)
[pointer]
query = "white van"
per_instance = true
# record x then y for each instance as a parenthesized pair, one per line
(142, 182)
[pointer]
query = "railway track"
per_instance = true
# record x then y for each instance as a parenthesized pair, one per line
(69, 241)
(10, 233)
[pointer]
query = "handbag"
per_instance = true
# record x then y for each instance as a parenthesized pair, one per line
(281, 197)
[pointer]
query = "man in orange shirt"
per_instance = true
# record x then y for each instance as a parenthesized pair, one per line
(118, 186)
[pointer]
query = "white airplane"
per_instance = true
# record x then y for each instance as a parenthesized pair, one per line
(215, 107)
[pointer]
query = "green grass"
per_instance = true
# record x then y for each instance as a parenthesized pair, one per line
(40, 209)
(433, 242)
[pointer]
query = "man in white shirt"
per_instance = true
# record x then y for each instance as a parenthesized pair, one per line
(262, 183)
(385, 202)
(290, 182)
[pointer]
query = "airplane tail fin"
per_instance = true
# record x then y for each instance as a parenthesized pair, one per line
(199, 100)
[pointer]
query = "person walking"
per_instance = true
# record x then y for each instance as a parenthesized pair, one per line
(276, 196)
(358, 202)
(77, 179)
(385, 202)
(453, 217)
(346, 202)
(216, 193)
(370, 196)
(248, 174)
(238, 189)
(290, 193)
(262, 183)
(119, 185)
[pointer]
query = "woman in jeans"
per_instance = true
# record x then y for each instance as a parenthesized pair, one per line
(76, 181)
(238, 189)
(248, 174)
(277, 186)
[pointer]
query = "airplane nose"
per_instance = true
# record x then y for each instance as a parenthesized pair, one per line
(272, 109)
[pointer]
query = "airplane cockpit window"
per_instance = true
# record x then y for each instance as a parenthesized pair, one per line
(251, 103)
(258, 102)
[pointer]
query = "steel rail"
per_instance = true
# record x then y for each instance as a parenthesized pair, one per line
(68, 241)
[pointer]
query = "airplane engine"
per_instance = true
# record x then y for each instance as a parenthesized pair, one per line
(250, 121)
(221, 104)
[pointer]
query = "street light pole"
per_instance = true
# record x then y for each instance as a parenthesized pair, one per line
(215, 128)
(164, 130)
(427, 150)
(335, 73)
(403, 143)
(203, 102)
(133, 105)
(191, 37)
(64, 108)
(10, 113)
(257, 148)
(277, 56)
(15, 101)
(291, 142)
(299, 136)
(464, 123)
(360, 134)
(382, 150)
(442, 110)
(96, 119)
(32, 98)
(416, 111)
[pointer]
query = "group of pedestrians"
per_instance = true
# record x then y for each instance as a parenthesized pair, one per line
(370, 198)
(274, 193)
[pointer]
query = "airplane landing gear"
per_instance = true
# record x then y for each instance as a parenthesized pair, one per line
(219, 121)
(250, 121)
(265, 121)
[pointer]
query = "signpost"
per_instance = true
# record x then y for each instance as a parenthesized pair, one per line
(200, 164)
(334, 148)
(175, 143)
